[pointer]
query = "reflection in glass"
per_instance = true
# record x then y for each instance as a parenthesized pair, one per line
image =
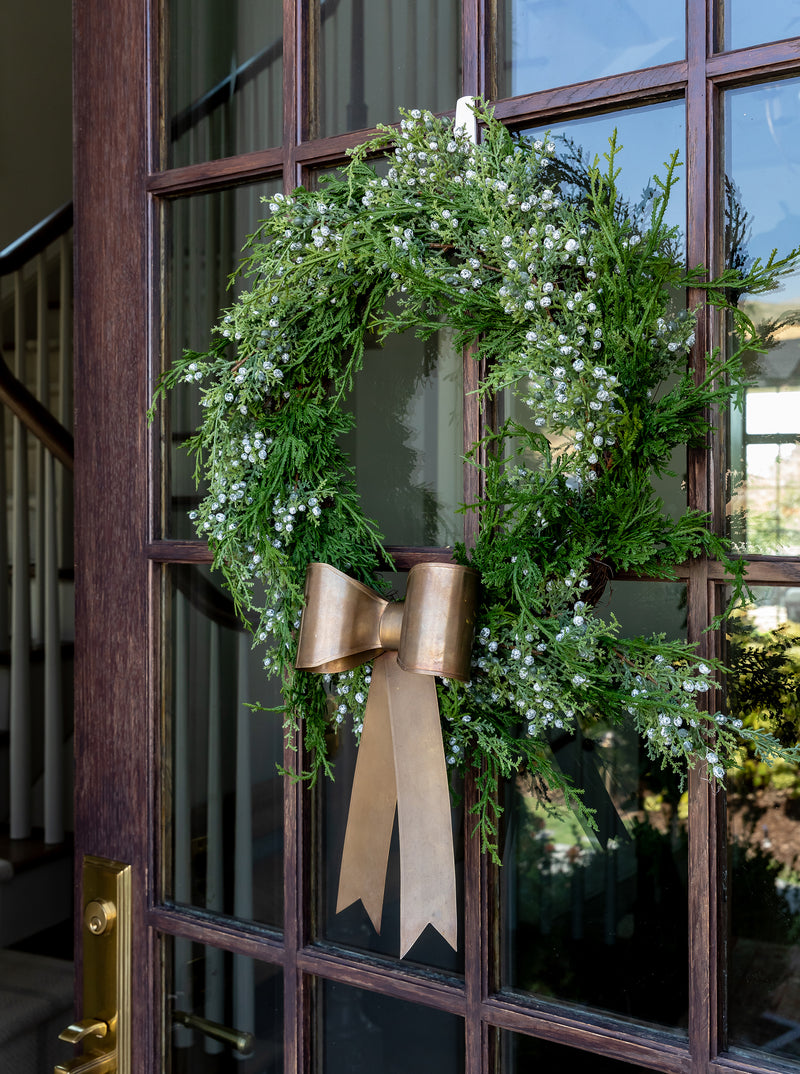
(648, 137)
(599, 917)
(204, 236)
(224, 1012)
(379, 55)
(542, 45)
(408, 442)
(764, 831)
(520, 1054)
(352, 927)
(746, 23)
(223, 793)
(763, 212)
(225, 79)
(366, 1033)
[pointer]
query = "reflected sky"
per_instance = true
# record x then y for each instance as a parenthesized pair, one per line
(549, 43)
(648, 137)
(763, 160)
(747, 23)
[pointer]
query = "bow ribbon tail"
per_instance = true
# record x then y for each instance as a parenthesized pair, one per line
(401, 761)
(427, 862)
(373, 799)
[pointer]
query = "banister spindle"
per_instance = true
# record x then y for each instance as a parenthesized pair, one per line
(63, 475)
(19, 721)
(53, 709)
(5, 625)
(42, 394)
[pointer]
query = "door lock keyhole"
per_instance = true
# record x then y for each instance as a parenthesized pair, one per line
(99, 916)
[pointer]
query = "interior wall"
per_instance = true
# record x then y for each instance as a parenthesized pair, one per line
(35, 112)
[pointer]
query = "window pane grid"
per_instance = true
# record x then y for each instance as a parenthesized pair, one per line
(502, 1010)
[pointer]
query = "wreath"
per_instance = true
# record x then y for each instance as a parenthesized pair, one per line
(574, 301)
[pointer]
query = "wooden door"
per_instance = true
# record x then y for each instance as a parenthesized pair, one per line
(185, 114)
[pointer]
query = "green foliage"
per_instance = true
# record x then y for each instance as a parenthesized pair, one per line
(568, 297)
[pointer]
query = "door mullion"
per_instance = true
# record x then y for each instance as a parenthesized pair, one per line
(703, 799)
(474, 955)
(705, 812)
(294, 1014)
(473, 63)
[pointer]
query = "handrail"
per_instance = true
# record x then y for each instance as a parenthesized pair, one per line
(16, 396)
(36, 240)
(36, 417)
(205, 597)
(224, 90)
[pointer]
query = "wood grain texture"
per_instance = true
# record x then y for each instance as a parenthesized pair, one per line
(217, 174)
(585, 98)
(222, 932)
(474, 424)
(595, 1034)
(750, 1064)
(112, 572)
(475, 950)
(473, 60)
(389, 979)
(294, 1041)
(759, 63)
(764, 570)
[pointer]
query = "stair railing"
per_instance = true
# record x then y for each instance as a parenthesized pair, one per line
(36, 529)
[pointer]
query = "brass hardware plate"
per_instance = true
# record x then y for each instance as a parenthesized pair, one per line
(105, 1029)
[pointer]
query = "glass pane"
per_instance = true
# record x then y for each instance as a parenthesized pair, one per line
(225, 79)
(363, 1033)
(408, 442)
(223, 794)
(204, 236)
(518, 1052)
(224, 1012)
(352, 927)
(746, 23)
(648, 137)
(764, 831)
(541, 44)
(379, 56)
(762, 213)
(575, 899)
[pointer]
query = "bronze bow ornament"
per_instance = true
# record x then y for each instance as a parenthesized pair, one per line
(400, 760)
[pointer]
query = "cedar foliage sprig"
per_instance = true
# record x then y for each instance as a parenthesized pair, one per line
(567, 293)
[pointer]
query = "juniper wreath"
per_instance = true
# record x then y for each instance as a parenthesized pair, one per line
(575, 301)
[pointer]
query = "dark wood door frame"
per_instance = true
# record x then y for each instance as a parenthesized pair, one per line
(113, 741)
(118, 557)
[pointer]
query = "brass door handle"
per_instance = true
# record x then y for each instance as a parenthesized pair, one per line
(87, 1027)
(239, 1040)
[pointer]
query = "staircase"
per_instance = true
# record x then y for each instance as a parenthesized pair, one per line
(36, 642)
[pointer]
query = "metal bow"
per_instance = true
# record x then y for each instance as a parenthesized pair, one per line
(401, 757)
